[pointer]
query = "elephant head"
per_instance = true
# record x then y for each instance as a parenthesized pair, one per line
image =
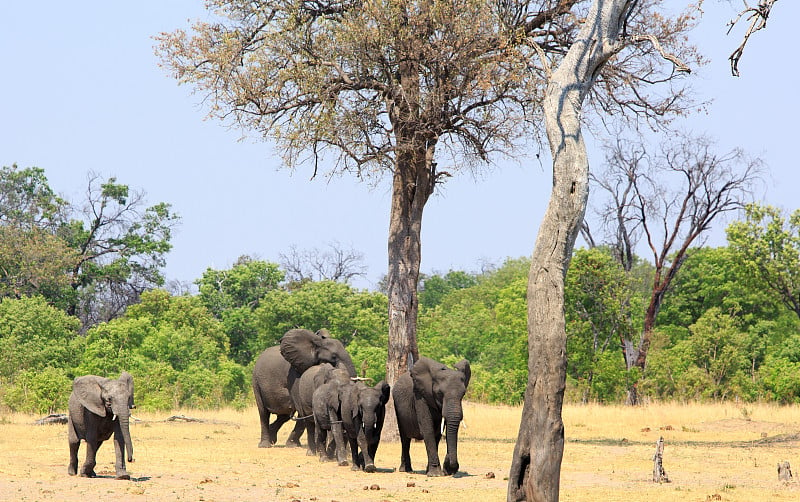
(369, 403)
(304, 349)
(104, 397)
(443, 389)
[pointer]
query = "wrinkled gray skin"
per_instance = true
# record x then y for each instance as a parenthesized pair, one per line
(363, 412)
(429, 393)
(279, 368)
(98, 408)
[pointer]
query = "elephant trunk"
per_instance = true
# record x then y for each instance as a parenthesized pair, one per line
(126, 435)
(453, 416)
(123, 415)
(346, 363)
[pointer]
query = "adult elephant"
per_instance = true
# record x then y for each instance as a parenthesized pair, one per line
(277, 370)
(429, 393)
(98, 408)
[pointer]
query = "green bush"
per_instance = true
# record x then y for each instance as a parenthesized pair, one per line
(39, 391)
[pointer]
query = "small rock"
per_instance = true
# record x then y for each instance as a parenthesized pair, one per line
(374, 487)
(411, 484)
(489, 475)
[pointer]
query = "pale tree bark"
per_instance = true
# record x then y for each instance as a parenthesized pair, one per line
(536, 465)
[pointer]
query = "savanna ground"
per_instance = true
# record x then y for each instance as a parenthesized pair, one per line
(724, 452)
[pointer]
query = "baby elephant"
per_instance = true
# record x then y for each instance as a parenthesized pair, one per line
(354, 414)
(99, 407)
(363, 411)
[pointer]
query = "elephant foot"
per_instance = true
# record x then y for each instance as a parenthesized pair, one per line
(72, 471)
(124, 475)
(435, 472)
(293, 443)
(405, 468)
(265, 444)
(369, 468)
(450, 468)
(88, 474)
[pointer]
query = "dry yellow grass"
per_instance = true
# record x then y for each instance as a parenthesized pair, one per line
(713, 452)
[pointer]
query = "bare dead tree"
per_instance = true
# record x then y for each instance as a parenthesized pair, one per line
(332, 264)
(672, 197)
(757, 16)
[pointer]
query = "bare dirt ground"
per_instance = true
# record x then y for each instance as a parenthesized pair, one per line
(712, 453)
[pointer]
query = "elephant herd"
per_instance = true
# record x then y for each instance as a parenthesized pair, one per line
(310, 379)
(312, 375)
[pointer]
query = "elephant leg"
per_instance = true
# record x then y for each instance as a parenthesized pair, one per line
(272, 430)
(74, 444)
(294, 436)
(366, 461)
(430, 426)
(405, 457)
(320, 438)
(267, 437)
(87, 471)
(310, 432)
(72, 470)
(338, 438)
(119, 464)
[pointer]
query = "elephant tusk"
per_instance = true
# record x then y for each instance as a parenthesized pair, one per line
(114, 417)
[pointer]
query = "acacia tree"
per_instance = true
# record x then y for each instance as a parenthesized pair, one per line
(373, 86)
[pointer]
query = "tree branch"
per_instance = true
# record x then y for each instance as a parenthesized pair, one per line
(758, 20)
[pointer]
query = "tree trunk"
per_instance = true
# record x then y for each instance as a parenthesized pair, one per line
(536, 465)
(659, 474)
(412, 186)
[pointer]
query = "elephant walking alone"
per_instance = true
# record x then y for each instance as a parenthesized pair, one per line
(279, 368)
(423, 397)
(98, 408)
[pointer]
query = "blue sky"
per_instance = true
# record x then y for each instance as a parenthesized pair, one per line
(81, 91)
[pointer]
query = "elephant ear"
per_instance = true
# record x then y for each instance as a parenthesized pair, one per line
(383, 388)
(463, 367)
(421, 375)
(88, 391)
(299, 347)
(351, 401)
(127, 379)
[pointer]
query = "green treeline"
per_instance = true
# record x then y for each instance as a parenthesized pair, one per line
(728, 328)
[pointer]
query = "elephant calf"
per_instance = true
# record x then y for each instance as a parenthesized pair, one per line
(99, 407)
(353, 412)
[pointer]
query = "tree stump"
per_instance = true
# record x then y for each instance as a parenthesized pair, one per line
(659, 475)
(784, 471)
